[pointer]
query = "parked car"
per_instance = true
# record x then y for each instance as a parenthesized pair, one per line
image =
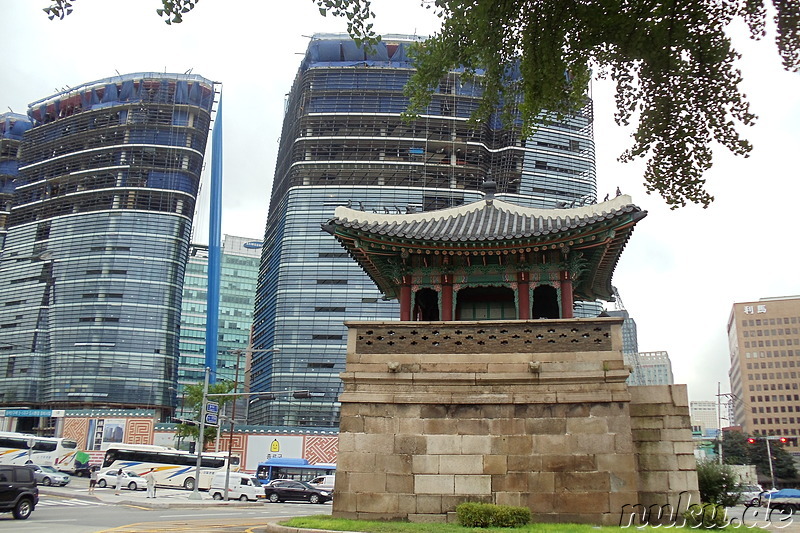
(47, 475)
(130, 480)
(18, 491)
(750, 494)
(281, 490)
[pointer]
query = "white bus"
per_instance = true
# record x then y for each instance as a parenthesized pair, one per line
(173, 468)
(21, 448)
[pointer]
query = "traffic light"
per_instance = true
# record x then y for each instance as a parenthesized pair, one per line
(751, 440)
(783, 440)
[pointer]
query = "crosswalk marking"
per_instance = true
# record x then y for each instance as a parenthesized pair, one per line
(72, 502)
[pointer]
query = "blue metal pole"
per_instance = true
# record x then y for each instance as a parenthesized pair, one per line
(214, 248)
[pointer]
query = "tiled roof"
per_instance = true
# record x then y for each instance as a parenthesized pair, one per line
(484, 220)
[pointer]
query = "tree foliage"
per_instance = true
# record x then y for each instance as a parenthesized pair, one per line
(736, 450)
(193, 398)
(671, 60)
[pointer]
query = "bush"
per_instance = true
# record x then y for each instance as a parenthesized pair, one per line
(718, 483)
(706, 516)
(490, 515)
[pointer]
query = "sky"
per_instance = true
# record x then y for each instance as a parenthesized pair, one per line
(679, 274)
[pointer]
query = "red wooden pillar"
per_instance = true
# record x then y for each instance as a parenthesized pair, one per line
(405, 299)
(523, 296)
(447, 298)
(566, 295)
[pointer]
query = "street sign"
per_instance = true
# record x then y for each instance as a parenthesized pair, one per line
(211, 419)
(19, 413)
(212, 407)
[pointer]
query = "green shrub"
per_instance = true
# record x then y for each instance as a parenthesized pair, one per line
(718, 483)
(472, 514)
(706, 516)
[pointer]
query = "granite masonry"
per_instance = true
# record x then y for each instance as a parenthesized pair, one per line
(532, 413)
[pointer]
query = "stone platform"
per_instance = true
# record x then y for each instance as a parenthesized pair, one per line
(529, 413)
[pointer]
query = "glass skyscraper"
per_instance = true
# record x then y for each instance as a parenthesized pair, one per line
(345, 142)
(239, 270)
(98, 236)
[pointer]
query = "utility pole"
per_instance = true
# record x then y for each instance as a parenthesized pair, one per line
(195, 495)
(719, 421)
(233, 418)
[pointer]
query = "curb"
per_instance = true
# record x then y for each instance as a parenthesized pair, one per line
(271, 526)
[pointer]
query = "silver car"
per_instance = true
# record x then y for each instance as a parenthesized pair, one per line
(47, 475)
(130, 480)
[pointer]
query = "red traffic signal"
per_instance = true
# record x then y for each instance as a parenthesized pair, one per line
(751, 440)
(784, 440)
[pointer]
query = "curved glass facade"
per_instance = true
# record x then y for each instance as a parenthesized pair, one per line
(345, 142)
(98, 235)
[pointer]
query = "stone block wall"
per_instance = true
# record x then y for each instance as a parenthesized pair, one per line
(662, 437)
(530, 413)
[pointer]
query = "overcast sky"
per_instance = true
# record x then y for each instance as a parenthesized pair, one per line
(679, 274)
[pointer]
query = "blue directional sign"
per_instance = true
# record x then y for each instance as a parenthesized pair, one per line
(211, 419)
(212, 407)
(28, 412)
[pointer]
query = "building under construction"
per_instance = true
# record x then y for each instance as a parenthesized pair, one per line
(98, 234)
(345, 141)
(12, 126)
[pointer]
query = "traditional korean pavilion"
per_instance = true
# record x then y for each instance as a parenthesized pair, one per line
(490, 259)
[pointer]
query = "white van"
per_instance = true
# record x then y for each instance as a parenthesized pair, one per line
(324, 482)
(241, 486)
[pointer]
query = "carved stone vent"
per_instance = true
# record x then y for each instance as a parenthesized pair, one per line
(485, 337)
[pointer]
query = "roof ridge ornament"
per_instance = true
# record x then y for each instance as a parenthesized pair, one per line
(489, 189)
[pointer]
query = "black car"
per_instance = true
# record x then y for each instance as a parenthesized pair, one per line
(18, 491)
(281, 490)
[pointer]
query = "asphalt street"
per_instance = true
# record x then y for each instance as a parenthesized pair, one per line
(71, 509)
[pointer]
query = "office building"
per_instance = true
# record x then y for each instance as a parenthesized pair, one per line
(630, 339)
(764, 341)
(651, 368)
(345, 142)
(98, 237)
(705, 417)
(239, 269)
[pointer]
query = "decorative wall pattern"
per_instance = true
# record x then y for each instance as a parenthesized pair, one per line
(321, 449)
(139, 432)
(76, 428)
(534, 336)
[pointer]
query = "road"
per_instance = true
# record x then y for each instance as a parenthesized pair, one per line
(71, 510)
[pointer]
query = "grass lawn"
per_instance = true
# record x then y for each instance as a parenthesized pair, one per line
(367, 526)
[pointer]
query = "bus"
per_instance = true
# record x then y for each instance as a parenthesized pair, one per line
(173, 468)
(21, 448)
(297, 469)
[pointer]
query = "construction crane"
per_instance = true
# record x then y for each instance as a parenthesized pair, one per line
(618, 305)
